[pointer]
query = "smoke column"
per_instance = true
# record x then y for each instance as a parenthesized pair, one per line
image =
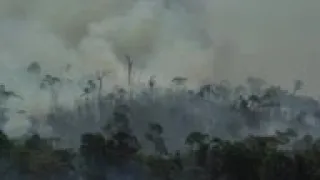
(204, 40)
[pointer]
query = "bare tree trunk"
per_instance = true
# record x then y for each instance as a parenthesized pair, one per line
(3, 118)
(100, 87)
(54, 99)
(130, 63)
(100, 99)
(129, 69)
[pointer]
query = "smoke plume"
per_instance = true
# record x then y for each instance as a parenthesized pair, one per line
(203, 40)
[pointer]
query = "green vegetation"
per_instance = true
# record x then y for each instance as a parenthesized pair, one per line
(252, 158)
(113, 130)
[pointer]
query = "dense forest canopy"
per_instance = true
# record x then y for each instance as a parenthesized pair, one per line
(251, 131)
(159, 90)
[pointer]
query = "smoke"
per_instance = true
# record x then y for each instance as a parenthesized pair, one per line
(276, 40)
(202, 40)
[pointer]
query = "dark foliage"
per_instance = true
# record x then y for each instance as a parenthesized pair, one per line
(285, 155)
(250, 159)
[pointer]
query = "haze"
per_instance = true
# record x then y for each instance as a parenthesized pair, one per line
(204, 40)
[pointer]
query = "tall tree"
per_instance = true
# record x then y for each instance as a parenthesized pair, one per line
(89, 88)
(298, 84)
(130, 63)
(255, 84)
(179, 81)
(51, 82)
(154, 135)
(100, 75)
(4, 96)
(34, 68)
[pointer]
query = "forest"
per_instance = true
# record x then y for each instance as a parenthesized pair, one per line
(253, 131)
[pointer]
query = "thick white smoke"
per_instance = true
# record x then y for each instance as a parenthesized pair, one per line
(203, 39)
